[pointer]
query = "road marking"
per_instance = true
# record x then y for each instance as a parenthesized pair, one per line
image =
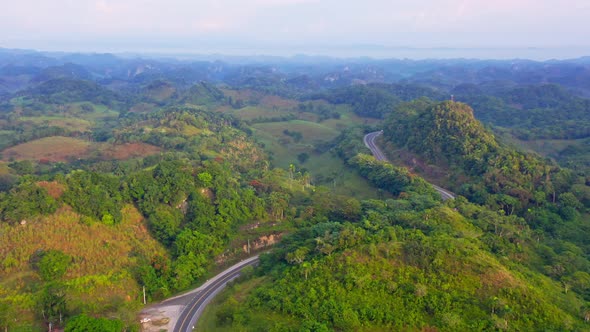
(207, 291)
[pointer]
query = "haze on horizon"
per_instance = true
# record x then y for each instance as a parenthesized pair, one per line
(536, 29)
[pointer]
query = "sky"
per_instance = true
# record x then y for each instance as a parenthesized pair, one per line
(380, 28)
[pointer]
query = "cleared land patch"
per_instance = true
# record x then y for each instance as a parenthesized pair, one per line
(249, 113)
(310, 131)
(127, 150)
(50, 149)
(70, 123)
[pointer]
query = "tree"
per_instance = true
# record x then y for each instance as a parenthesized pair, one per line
(205, 178)
(53, 265)
(7, 314)
(83, 323)
(303, 157)
(278, 202)
(165, 223)
(52, 303)
(26, 200)
(298, 256)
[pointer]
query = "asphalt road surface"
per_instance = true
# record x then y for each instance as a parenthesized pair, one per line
(189, 316)
(369, 140)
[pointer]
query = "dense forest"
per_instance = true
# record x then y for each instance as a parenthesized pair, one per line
(119, 175)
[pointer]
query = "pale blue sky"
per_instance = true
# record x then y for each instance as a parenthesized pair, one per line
(292, 26)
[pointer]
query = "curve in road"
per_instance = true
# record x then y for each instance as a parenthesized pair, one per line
(195, 307)
(369, 141)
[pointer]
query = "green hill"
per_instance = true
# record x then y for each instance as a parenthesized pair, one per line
(67, 90)
(401, 269)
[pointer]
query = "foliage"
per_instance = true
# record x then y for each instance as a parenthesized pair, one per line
(447, 134)
(406, 261)
(534, 111)
(52, 303)
(84, 323)
(377, 100)
(25, 201)
(52, 264)
(95, 195)
(403, 270)
(64, 90)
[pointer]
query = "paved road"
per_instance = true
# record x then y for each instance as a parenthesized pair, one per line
(195, 307)
(369, 140)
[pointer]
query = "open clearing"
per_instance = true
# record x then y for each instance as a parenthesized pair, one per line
(311, 131)
(51, 149)
(250, 113)
(63, 149)
(127, 150)
(325, 168)
(70, 123)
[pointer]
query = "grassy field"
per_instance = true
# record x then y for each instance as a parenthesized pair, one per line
(99, 278)
(325, 168)
(549, 147)
(53, 149)
(143, 108)
(63, 149)
(161, 93)
(70, 123)
(125, 151)
(250, 113)
(544, 147)
(4, 169)
(311, 131)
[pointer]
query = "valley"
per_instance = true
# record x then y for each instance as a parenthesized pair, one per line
(123, 178)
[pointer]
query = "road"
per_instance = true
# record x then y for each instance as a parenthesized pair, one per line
(369, 140)
(195, 307)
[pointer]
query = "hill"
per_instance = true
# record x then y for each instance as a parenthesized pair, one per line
(399, 268)
(120, 173)
(66, 90)
(533, 111)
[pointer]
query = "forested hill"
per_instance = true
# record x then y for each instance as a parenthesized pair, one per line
(531, 111)
(376, 100)
(117, 174)
(60, 91)
(445, 132)
(412, 263)
(483, 170)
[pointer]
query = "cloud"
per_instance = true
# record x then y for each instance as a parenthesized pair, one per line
(389, 22)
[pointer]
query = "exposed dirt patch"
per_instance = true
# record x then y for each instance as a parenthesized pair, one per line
(499, 279)
(128, 150)
(263, 242)
(49, 149)
(142, 108)
(159, 317)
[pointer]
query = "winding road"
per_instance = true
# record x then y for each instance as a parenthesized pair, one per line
(369, 140)
(194, 308)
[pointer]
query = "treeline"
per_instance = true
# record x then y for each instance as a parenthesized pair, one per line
(376, 100)
(61, 91)
(533, 112)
